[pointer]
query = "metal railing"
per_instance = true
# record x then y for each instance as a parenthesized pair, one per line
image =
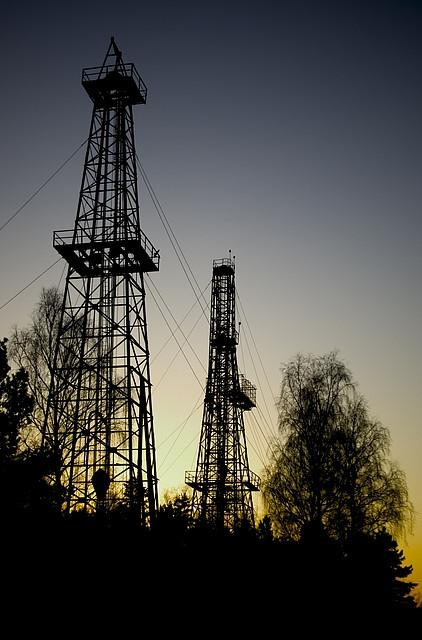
(80, 239)
(223, 262)
(128, 70)
(248, 478)
(247, 388)
(253, 480)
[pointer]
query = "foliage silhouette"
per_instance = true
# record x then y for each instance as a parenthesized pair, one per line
(174, 516)
(320, 568)
(15, 406)
(33, 348)
(376, 578)
(330, 473)
(25, 494)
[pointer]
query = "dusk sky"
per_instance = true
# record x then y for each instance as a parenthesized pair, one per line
(288, 132)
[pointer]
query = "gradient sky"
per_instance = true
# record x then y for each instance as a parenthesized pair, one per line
(289, 132)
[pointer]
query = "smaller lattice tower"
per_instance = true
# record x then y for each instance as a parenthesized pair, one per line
(223, 483)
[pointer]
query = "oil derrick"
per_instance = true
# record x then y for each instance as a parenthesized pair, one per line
(223, 483)
(99, 414)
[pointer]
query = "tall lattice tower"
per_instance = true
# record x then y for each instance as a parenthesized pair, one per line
(99, 409)
(223, 483)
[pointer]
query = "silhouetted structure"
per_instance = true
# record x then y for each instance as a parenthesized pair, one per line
(223, 482)
(102, 356)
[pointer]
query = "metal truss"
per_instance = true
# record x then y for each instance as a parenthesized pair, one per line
(99, 419)
(223, 483)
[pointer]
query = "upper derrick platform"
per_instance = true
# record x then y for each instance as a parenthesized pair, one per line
(108, 85)
(114, 83)
(223, 267)
(105, 257)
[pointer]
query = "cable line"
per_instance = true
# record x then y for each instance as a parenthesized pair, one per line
(250, 443)
(181, 428)
(256, 348)
(178, 325)
(257, 439)
(265, 437)
(30, 283)
(269, 424)
(44, 184)
(174, 336)
(175, 356)
(254, 367)
(62, 274)
(241, 351)
(153, 193)
(180, 454)
(181, 423)
(181, 322)
(172, 237)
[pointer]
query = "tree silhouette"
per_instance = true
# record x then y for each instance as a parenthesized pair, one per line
(33, 348)
(375, 576)
(15, 406)
(174, 517)
(24, 491)
(330, 473)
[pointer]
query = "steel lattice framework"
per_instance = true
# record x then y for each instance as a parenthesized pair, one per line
(222, 483)
(99, 410)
